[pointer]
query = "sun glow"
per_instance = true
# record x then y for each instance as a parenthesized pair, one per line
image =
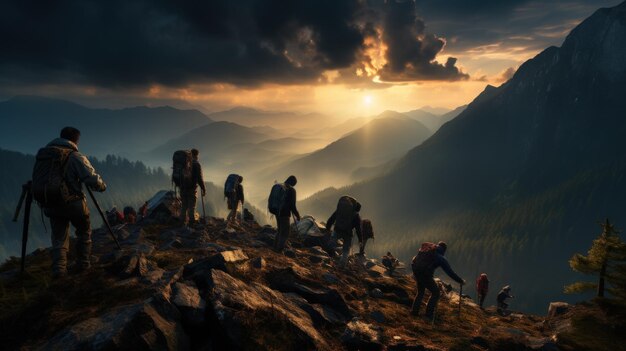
(367, 100)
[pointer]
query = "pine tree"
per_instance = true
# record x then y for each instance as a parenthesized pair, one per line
(606, 259)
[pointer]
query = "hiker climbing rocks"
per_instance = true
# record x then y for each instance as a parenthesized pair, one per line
(430, 257)
(233, 192)
(367, 232)
(187, 176)
(390, 262)
(346, 218)
(282, 204)
(503, 295)
(130, 215)
(58, 175)
(143, 211)
(482, 288)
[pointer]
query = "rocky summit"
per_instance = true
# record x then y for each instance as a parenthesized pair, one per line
(221, 287)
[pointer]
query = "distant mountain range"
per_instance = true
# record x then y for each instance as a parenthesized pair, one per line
(28, 122)
(518, 180)
(434, 121)
(382, 139)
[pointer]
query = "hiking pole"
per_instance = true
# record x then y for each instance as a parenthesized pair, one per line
(93, 198)
(460, 298)
(203, 210)
(29, 200)
(20, 203)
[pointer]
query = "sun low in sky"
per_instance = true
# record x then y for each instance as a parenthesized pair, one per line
(343, 58)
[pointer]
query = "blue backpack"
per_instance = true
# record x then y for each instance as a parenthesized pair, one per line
(230, 187)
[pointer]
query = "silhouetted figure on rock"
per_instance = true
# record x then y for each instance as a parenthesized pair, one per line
(282, 204)
(482, 288)
(503, 295)
(59, 173)
(346, 218)
(430, 257)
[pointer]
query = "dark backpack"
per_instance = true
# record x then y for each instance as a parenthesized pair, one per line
(425, 259)
(366, 229)
(230, 187)
(182, 175)
(345, 213)
(49, 186)
(277, 199)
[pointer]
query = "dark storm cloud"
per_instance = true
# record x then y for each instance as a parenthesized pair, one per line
(121, 43)
(412, 51)
(535, 24)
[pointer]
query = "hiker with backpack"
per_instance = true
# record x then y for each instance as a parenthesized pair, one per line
(282, 204)
(503, 295)
(346, 218)
(482, 288)
(58, 175)
(233, 192)
(390, 262)
(187, 176)
(430, 257)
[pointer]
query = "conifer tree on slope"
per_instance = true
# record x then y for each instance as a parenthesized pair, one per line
(607, 259)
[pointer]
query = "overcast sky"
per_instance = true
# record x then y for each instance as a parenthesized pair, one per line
(349, 57)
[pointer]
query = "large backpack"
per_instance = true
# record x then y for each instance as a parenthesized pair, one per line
(182, 175)
(345, 213)
(425, 260)
(366, 229)
(230, 187)
(49, 185)
(277, 199)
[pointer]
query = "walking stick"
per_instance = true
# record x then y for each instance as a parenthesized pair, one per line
(29, 201)
(203, 210)
(93, 198)
(20, 202)
(460, 298)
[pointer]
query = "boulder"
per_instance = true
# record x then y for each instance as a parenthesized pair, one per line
(321, 315)
(249, 313)
(191, 306)
(378, 316)
(376, 271)
(330, 278)
(362, 336)
(133, 265)
(376, 293)
(289, 253)
(258, 262)
(221, 260)
(557, 309)
(134, 327)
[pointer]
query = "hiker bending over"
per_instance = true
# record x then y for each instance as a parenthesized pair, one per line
(482, 288)
(282, 204)
(346, 218)
(58, 175)
(367, 232)
(189, 190)
(429, 257)
(233, 191)
(390, 262)
(503, 295)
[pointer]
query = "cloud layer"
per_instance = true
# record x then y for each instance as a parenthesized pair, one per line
(119, 43)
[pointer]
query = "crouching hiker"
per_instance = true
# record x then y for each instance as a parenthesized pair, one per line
(346, 218)
(390, 262)
(58, 175)
(282, 204)
(430, 257)
(482, 288)
(503, 295)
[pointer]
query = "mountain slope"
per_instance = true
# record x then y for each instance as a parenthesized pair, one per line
(379, 141)
(524, 172)
(29, 122)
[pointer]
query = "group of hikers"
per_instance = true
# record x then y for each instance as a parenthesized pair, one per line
(61, 170)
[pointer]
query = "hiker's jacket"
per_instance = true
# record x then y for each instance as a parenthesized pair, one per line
(79, 169)
(290, 203)
(503, 295)
(440, 261)
(196, 175)
(356, 223)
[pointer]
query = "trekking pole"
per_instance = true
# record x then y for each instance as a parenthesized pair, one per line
(203, 210)
(460, 298)
(93, 198)
(29, 201)
(20, 203)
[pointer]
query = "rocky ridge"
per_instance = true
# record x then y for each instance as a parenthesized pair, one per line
(220, 287)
